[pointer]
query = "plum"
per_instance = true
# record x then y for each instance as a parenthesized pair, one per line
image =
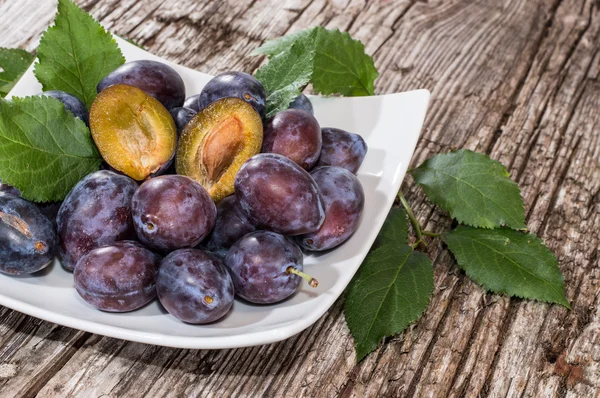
(155, 78)
(234, 84)
(344, 202)
(266, 267)
(134, 133)
(193, 102)
(279, 195)
(296, 134)
(303, 103)
(342, 149)
(72, 104)
(216, 142)
(95, 213)
(172, 212)
(27, 236)
(232, 223)
(194, 286)
(182, 117)
(117, 278)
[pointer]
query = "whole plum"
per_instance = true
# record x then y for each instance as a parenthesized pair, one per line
(72, 104)
(344, 202)
(296, 134)
(279, 195)
(155, 78)
(234, 84)
(172, 212)
(303, 103)
(193, 102)
(266, 267)
(117, 278)
(194, 286)
(232, 223)
(342, 149)
(97, 212)
(27, 237)
(182, 116)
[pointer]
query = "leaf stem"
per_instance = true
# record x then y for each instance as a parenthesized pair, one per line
(432, 234)
(411, 216)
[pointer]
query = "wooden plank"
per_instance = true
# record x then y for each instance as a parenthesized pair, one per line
(515, 79)
(23, 21)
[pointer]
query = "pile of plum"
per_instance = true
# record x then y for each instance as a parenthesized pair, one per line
(146, 225)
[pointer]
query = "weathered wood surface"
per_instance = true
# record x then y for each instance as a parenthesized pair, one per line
(517, 79)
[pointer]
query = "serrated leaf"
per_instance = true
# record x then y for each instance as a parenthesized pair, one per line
(285, 75)
(394, 230)
(473, 188)
(281, 44)
(390, 291)
(76, 53)
(44, 149)
(13, 63)
(508, 262)
(333, 61)
(341, 65)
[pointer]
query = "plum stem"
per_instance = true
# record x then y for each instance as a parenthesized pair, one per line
(311, 281)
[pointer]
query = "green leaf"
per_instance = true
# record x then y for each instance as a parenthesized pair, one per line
(341, 65)
(13, 63)
(76, 53)
(473, 188)
(281, 44)
(329, 59)
(44, 149)
(285, 75)
(390, 291)
(394, 230)
(508, 262)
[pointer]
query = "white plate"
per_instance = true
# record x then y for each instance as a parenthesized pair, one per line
(390, 124)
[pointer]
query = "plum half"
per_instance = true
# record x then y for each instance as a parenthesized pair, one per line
(217, 142)
(134, 132)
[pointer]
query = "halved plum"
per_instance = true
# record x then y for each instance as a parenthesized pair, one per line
(134, 132)
(217, 142)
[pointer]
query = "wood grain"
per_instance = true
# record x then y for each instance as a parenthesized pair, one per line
(517, 79)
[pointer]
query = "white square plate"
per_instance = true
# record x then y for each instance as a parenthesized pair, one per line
(390, 124)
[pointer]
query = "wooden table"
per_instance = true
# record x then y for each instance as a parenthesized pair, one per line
(516, 79)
